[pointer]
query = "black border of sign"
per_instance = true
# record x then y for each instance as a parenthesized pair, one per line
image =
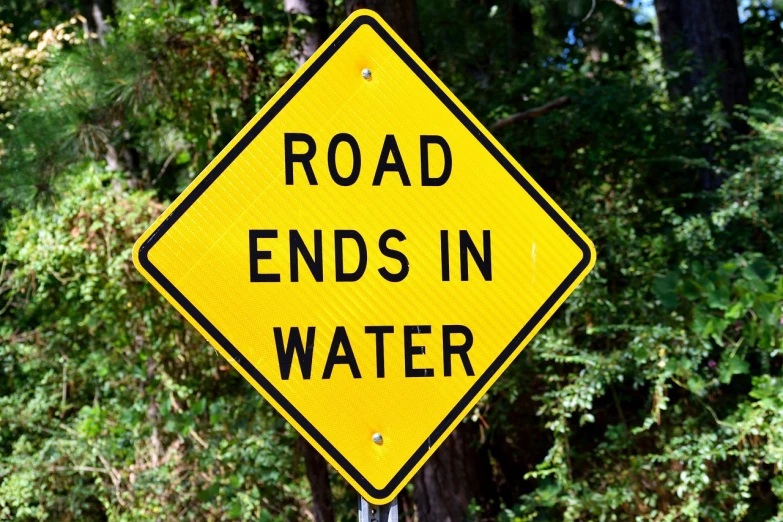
(250, 369)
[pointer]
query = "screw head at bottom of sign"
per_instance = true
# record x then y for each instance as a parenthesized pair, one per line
(366, 74)
(377, 438)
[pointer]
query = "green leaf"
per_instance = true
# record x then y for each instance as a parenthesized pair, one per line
(665, 289)
(702, 324)
(759, 269)
(691, 289)
(719, 297)
(736, 311)
(733, 366)
(695, 384)
(199, 406)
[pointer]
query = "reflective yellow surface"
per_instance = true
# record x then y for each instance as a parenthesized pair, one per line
(205, 254)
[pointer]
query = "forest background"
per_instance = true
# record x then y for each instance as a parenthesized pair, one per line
(655, 393)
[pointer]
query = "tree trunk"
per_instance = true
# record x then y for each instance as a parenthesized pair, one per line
(95, 12)
(401, 15)
(517, 441)
(705, 36)
(318, 476)
(733, 76)
(458, 473)
(406, 508)
(520, 30)
(317, 33)
(673, 44)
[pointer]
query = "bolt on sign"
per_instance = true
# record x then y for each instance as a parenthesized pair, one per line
(367, 256)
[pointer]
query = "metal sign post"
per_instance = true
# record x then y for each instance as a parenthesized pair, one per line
(369, 512)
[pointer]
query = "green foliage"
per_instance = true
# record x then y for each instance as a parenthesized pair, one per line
(119, 419)
(21, 68)
(692, 372)
(654, 394)
(649, 386)
(168, 90)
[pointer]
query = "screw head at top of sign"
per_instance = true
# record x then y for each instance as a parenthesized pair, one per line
(366, 74)
(377, 438)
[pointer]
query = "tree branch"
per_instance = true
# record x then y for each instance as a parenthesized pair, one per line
(532, 113)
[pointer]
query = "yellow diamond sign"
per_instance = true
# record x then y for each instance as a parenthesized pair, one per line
(367, 256)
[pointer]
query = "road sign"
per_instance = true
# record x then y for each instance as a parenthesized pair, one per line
(367, 256)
